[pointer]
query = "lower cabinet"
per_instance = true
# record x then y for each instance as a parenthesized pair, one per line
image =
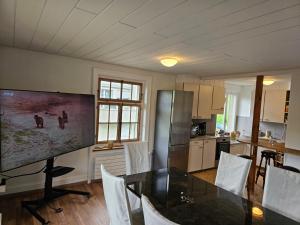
(202, 155)
(195, 156)
(237, 149)
(209, 154)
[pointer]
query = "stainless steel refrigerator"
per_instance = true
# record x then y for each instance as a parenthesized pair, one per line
(172, 129)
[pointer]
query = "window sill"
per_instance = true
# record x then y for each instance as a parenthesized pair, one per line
(98, 149)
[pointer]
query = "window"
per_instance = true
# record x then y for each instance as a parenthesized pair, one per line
(227, 120)
(119, 110)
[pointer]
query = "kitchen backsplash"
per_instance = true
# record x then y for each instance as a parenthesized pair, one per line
(244, 125)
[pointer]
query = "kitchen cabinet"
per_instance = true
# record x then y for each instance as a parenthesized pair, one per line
(218, 99)
(205, 102)
(237, 149)
(195, 89)
(209, 154)
(195, 156)
(274, 106)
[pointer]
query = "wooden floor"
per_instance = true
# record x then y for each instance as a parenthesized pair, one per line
(77, 210)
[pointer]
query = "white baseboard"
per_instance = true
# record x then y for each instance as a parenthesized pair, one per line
(10, 189)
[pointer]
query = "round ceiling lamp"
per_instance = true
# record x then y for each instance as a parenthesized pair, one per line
(169, 62)
(268, 82)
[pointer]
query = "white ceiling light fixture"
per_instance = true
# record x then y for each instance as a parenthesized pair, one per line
(268, 82)
(169, 62)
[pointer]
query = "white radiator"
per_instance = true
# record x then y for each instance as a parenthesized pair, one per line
(113, 161)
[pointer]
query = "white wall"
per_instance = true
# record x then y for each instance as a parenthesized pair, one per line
(293, 127)
(22, 69)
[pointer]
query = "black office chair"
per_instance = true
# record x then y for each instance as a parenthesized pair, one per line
(290, 168)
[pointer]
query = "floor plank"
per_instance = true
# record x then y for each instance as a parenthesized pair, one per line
(77, 210)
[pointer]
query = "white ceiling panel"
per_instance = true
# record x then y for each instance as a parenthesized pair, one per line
(209, 37)
(7, 21)
(117, 10)
(93, 6)
(28, 13)
(75, 22)
(49, 24)
(105, 54)
(215, 12)
(150, 10)
(114, 32)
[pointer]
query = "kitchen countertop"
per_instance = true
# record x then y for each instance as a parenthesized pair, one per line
(265, 143)
(205, 137)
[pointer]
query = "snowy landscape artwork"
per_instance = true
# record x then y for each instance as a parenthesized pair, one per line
(40, 125)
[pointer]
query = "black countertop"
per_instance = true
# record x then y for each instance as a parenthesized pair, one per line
(188, 200)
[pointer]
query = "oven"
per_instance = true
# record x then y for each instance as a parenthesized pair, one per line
(223, 144)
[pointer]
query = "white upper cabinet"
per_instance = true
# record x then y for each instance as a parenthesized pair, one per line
(195, 89)
(218, 99)
(274, 105)
(205, 102)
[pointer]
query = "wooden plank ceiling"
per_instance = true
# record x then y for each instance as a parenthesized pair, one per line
(210, 37)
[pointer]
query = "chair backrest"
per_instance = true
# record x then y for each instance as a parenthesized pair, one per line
(282, 192)
(137, 157)
(290, 168)
(232, 173)
(152, 216)
(116, 199)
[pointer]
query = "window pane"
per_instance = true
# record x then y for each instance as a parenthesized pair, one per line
(133, 131)
(112, 136)
(134, 114)
(220, 121)
(114, 111)
(126, 114)
(104, 89)
(115, 90)
(135, 92)
(126, 92)
(125, 131)
(102, 132)
(103, 113)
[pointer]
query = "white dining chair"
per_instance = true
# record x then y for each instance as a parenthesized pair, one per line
(116, 199)
(282, 192)
(137, 160)
(232, 173)
(152, 216)
(137, 157)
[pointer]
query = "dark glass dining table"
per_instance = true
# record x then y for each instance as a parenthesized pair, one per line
(188, 200)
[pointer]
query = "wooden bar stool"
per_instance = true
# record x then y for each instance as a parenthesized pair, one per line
(267, 155)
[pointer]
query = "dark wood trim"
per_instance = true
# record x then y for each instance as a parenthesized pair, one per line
(255, 129)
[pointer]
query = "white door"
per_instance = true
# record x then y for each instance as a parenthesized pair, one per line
(195, 156)
(209, 154)
(274, 106)
(205, 102)
(195, 89)
(218, 99)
